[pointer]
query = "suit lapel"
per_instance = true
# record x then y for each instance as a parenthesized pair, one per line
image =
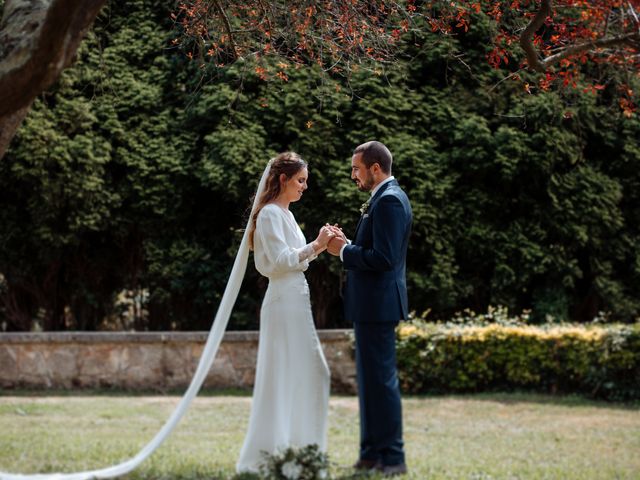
(372, 202)
(358, 226)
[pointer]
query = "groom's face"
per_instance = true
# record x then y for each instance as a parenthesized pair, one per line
(361, 174)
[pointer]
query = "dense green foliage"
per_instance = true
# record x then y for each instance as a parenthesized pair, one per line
(132, 177)
(600, 361)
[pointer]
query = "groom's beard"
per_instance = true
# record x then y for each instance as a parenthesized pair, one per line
(367, 185)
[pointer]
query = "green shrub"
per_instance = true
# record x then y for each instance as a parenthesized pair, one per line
(493, 352)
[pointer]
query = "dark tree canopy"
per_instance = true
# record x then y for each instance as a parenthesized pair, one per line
(561, 39)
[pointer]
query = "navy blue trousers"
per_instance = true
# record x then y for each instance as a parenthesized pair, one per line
(379, 393)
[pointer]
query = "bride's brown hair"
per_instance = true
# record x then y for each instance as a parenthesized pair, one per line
(287, 163)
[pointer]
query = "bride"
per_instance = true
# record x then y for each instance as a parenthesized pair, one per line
(291, 390)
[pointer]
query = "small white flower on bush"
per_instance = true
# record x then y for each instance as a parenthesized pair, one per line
(296, 463)
(291, 470)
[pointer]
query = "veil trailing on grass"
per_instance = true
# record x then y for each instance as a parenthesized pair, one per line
(206, 360)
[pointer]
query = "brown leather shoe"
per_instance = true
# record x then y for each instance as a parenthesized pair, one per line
(392, 470)
(364, 464)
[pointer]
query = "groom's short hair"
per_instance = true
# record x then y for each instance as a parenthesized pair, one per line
(375, 152)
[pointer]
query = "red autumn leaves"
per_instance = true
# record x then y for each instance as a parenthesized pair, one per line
(586, 45)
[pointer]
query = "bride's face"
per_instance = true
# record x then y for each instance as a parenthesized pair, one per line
(295, 186)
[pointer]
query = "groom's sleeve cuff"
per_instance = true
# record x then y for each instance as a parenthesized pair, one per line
(342, 250)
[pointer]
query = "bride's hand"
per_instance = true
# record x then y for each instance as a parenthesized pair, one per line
(338, 233)
(324, 236)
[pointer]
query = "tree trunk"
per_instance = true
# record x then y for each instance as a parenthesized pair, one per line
(38, 39)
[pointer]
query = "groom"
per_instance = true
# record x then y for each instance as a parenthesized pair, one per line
(375, 300)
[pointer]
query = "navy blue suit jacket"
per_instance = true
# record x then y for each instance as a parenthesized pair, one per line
(376, 284)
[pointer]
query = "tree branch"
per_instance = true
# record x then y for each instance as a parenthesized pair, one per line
(542, 65)
(526, 38)
(631, 39)
(633, 13)
(227, 27)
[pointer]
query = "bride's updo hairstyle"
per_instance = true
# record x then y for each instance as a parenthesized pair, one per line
(287, 163)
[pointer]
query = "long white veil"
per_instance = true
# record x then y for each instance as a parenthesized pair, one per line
(206, 360)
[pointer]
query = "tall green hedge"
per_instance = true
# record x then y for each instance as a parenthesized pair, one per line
(123, 192)
(601, 361)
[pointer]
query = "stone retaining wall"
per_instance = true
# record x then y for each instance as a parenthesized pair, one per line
(149, 360)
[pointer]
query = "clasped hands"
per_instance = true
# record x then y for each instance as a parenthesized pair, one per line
(331, 238)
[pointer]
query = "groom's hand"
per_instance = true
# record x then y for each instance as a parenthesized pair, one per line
(335, 245)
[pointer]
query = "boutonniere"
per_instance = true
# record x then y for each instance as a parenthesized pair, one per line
(364, 208)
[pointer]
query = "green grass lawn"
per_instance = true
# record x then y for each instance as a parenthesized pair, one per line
(506, 436)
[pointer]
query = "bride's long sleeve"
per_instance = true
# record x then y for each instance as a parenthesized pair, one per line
(270, 227)
(307, 253)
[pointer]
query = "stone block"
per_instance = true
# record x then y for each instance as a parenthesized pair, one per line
(8, 365)
(178, 364)
(62, 363)
(33, 366)
(140, 365)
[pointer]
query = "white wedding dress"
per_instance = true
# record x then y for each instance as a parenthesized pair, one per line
(291, 391)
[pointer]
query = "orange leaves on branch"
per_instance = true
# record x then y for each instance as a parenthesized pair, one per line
(627, 107)
(545, 83)
(340, 36)
(569, 42)
(262, 73)
(500, 55)
(463, 23)
(593, 89)
(331, 33)
(497, 56)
